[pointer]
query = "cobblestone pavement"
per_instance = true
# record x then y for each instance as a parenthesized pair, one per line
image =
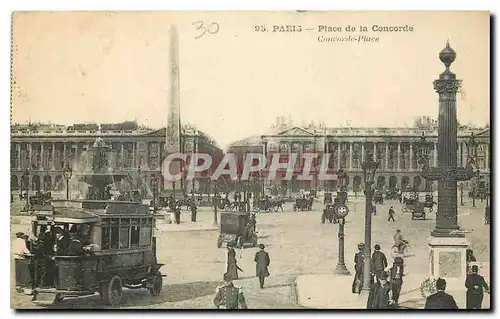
(297, 243)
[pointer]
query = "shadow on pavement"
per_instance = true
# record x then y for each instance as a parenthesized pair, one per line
(142, 298)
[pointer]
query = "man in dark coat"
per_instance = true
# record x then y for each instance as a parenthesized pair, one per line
(378, 262)
(440, 299)
(177, 213)
(396, 274)
(194, 210)
(378, 298)
(359, 259)
(262, 260)
(391, 214)
(475, 284)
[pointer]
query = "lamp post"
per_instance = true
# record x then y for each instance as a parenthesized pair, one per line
(462, 193)
(423, 159)
(26, 180)
(67, 173)
(341, 210)
(195, 158)
(472, 145)
(155, 189)
(369, 167)
(247, 191)
(216, 191)
(173, 189)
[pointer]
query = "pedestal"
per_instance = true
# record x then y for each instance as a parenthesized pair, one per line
(447, 260)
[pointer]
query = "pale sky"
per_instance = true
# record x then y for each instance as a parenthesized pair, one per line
(111, 67)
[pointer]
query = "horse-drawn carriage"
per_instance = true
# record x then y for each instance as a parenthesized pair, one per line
(237, 228)
(303, 204)
(115, 249)
(328, 198)
(378, 197)
(268, 204)
(392, 194)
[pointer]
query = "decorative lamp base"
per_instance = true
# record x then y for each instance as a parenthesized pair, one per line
(341, 269)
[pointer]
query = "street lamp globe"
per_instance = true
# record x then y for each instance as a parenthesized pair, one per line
(423, 150)
(472, 146)
(369, 167)
(68, 172)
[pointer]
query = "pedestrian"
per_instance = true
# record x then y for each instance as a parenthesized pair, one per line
(391, 214)
(359, 260)
(440, 299)
(177, 213)
(232, 265)
(378, 262)
(23, 268)
(19, 247)
(262, 263)
(193, 212)
(475, 284)
(229, 296)
(378, 298)
(396, 274)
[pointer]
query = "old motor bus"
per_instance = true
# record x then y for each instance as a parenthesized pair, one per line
(119, 251)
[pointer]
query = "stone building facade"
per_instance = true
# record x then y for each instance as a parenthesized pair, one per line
(45, 150)
(396, 149)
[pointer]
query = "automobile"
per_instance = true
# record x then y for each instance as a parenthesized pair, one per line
(329, 213)
(119, 251)
(237, 228)
(418, 210)
(303, 204)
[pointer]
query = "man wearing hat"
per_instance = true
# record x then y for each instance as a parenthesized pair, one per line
(262, 262)
(440, 299)
(19, 247)
(379, 261)
(475, 284)
(396, 273)
(378, 298)
(229, 296)
(359, 259)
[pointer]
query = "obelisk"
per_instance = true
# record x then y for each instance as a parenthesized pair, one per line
(173, 139)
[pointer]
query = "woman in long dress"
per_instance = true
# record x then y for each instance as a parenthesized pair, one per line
(232, 266)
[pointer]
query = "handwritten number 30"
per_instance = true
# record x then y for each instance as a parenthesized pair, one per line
(213, 28)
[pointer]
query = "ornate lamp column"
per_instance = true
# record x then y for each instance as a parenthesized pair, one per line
(447, 242)
(447, 173)
(369, 168)
(341, 211)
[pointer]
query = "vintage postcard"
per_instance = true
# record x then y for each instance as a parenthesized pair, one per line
(250, 160)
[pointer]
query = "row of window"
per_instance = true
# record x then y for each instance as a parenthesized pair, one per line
(123, 233)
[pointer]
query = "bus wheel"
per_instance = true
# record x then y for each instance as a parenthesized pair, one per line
(157, 284)
(111, 291)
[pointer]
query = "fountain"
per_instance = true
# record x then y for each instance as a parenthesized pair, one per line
(101, 175)
(99, 178)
